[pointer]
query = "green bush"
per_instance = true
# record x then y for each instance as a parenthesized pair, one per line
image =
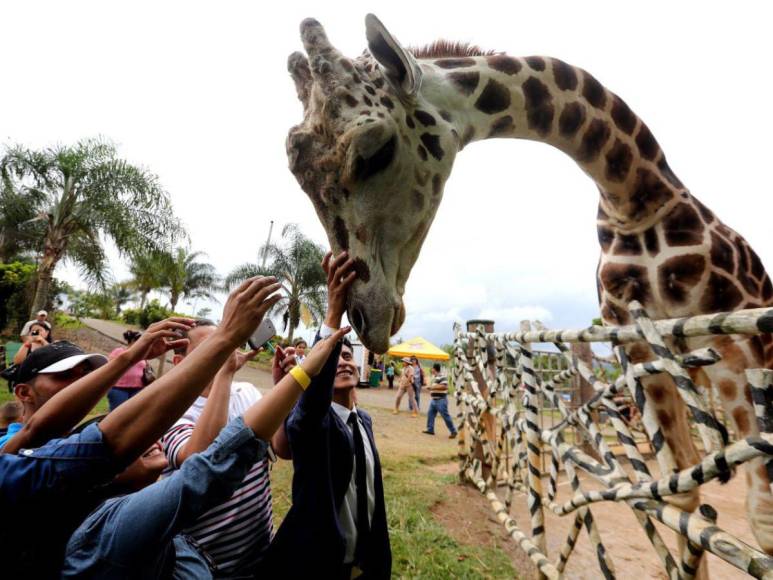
(62, 320)
(131, 315)
(16, 279)
(153, 312)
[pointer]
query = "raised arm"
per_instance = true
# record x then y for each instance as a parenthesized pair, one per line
(215, 414)
(265, 416)
(70, 405)
(136, 424)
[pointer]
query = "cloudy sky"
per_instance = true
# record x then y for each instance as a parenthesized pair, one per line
(198, 92)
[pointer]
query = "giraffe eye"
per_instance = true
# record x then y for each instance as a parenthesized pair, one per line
(365, 168)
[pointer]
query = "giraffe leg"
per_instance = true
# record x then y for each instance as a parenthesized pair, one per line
(666, 408)
(728, 375)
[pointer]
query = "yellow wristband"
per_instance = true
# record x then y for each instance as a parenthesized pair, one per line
(300, 376)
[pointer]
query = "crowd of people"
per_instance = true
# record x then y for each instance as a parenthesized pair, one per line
(174, 481)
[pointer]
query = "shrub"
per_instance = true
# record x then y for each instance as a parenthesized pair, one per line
(131, 315)
(153, 312)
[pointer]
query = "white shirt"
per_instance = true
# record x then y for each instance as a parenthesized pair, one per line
(347, 515)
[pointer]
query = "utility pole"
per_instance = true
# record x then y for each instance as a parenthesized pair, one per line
(268, 241)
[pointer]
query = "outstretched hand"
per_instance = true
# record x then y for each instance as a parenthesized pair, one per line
(160, 337)
(238, 359)
(340, 276)
(316, 359)
(284, 360)
(246, 306)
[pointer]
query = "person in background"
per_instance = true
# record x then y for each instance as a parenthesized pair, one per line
(134, 379)
(418, 381)
(39, 335)
(42, 318)
(337, 525)
(390, 374)
(300, 347)
(406, 386)
(438, 392)
(10, 414)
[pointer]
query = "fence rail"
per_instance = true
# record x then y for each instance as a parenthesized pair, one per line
(503, 437)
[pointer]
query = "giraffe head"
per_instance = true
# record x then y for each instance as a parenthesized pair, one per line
(373, 155)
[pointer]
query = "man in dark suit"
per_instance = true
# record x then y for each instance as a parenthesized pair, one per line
(336, 527)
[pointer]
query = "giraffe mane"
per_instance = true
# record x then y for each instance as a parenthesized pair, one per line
(442, 48)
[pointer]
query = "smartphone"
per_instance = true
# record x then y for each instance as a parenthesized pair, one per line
(261, 337)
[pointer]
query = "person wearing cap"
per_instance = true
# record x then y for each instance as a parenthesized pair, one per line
(134, 379)
(406, 386)
(41, 318)
(47, 476)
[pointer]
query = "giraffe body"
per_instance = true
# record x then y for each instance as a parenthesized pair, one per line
(378, 140)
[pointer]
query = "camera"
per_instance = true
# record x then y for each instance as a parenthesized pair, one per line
(35, 333)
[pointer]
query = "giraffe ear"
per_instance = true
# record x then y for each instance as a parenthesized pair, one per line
(398, 64)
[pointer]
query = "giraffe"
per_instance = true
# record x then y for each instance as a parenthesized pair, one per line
(377, 143)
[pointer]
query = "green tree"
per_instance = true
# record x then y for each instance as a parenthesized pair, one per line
(14, 281)
(145, 268)
(297, 265)
(183, 276)
(81, 194)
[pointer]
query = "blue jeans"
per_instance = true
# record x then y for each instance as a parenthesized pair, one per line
(118, 395)
(137, 535)
(439, 406)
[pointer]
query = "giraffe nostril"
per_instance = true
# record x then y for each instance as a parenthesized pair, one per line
(358, 320)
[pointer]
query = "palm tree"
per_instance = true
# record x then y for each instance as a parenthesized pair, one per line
(145, 268)
(182, 276)
(297, 265)
(79, 194)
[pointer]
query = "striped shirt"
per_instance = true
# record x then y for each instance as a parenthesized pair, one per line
(236, 533)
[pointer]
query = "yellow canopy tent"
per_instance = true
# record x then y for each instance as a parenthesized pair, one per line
(420, 348)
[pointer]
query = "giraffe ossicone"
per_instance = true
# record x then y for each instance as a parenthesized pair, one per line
(377, 143)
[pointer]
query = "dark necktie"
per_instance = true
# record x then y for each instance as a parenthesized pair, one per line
(360, 482)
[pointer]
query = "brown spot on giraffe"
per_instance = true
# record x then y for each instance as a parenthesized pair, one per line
(741, 418)
(571, 119)
(619, 159)
(418, 199)
(350, 100)
(449, 63)
(432, 143)
(341, 233)
(363, 272)
(367, 101)
(422, 152)
(424, 118)
(465, 82)
(502, 126)
(721, 294)
(757, 350)
(626, 282)
(361, 233)
(627, 245)
(409, 122)
(732, 356)
(468, 136)
(747, 394)
(767, 289)
(649, 193)
(370, 90)
(539, 105)
(611, 312)
(437, 186)
(728, 390)
(678, 275)
(648, 147)
(504, 64)
(722, 255)
(622, 115)
(387, 102)
(536, 63)
(494, 98)
(606, 236)
(421, 176)
(593, 140)
(705, 212)
(651, 241)
(683, 227)
(445, 115)
(564, 75)
(666, 172)
(593, 91)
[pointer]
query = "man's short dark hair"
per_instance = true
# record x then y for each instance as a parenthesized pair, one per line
(346, 342)
(197, 323)
(436, 366)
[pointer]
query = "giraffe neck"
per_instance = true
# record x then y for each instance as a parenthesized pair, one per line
(544, 99)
